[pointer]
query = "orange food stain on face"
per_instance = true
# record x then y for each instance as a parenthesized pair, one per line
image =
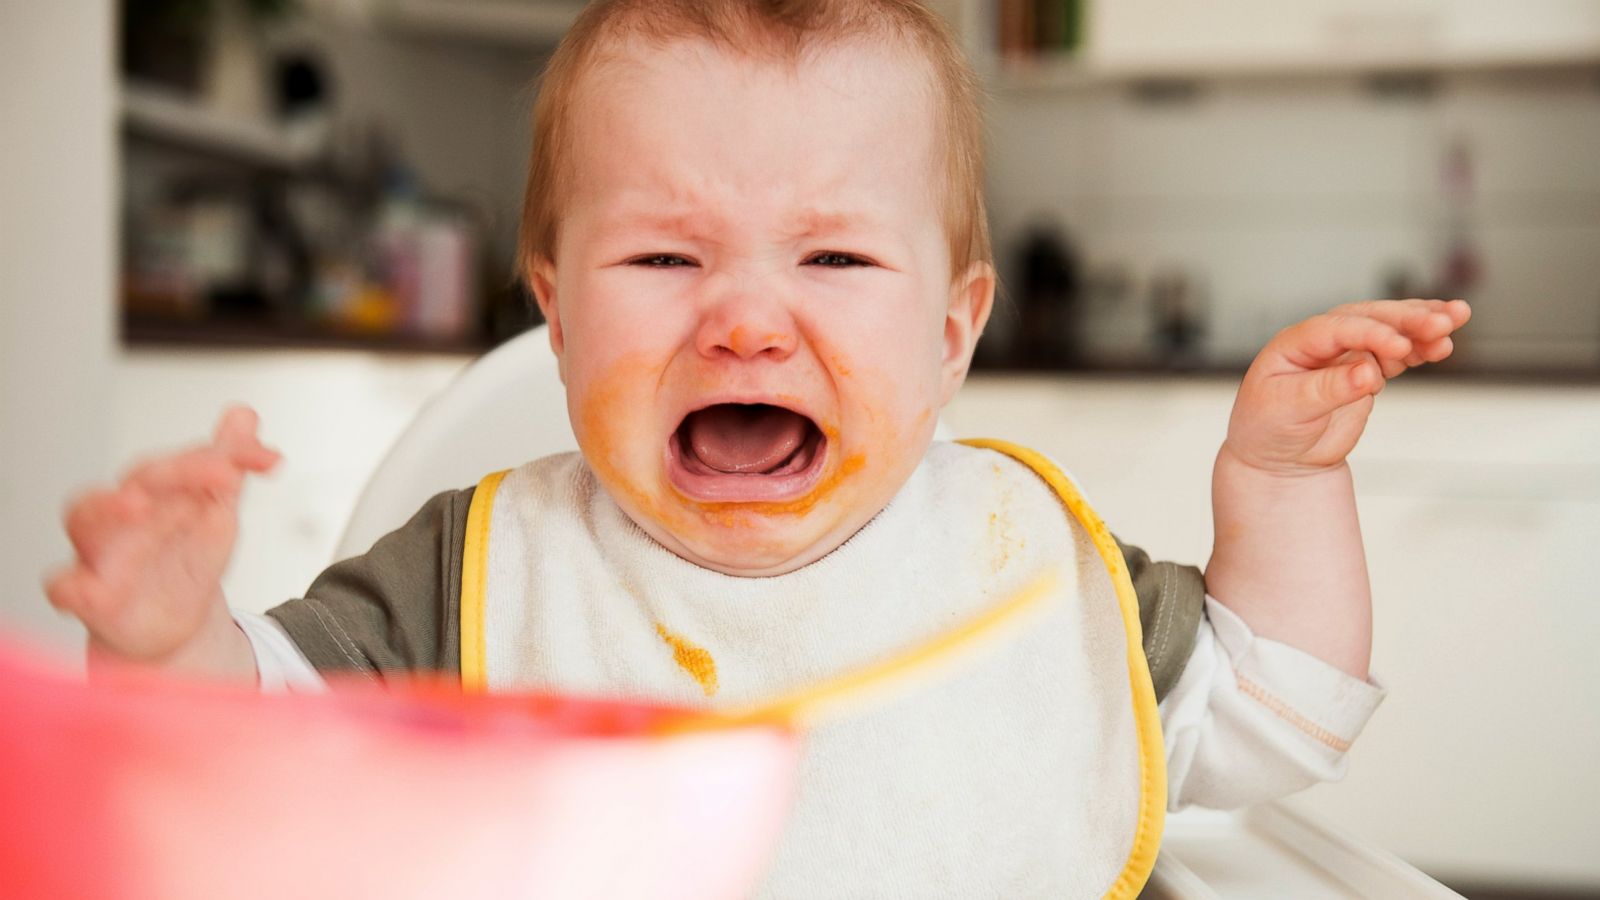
(603, 407)
(692, 659)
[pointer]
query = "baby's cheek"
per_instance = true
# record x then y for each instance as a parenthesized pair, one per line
(613, 416)
(890, 409)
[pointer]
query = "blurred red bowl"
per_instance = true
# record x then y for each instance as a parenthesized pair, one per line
(144, 786)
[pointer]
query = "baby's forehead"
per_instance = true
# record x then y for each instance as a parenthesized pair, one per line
(836, 119)
(823, 84)
(683, 117)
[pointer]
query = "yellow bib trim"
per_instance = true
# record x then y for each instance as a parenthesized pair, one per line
(1152, 752)
(474, 581)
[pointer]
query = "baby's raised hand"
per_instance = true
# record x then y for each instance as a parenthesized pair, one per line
(1305, 399)
(147, 580)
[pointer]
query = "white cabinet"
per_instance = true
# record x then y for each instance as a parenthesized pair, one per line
(1481, 513)
(1152, 35)
(1184, 38)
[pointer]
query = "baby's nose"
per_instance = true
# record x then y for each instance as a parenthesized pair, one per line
(747, 329)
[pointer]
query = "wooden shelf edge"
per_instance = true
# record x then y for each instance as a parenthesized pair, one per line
(145, 333)
(165, 116)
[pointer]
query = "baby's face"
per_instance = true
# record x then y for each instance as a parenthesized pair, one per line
(752, 299)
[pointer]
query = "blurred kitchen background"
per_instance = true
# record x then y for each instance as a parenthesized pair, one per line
(311, 206)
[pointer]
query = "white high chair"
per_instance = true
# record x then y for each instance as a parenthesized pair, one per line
(509, 407)
(504, 409)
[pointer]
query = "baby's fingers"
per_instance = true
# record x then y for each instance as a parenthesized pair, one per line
(1424, 320)
(1324, 390)
(98, 517)
(1431, 351)
(79, 592)
(236, 437)
(1324, 339)
(205, 470)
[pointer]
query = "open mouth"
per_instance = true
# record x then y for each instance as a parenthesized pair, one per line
(733, 452)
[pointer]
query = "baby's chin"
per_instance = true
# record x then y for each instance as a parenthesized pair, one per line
(749, 540)
(749, 554)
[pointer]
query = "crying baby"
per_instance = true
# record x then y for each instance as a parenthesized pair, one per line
(757, 232)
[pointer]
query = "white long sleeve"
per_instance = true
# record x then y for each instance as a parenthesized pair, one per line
(280, 666)
(1252, 719)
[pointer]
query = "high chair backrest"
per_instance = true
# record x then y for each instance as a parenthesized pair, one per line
(504, 409)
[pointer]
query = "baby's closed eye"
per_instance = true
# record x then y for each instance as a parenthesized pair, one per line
(834, 259)
(661, 261)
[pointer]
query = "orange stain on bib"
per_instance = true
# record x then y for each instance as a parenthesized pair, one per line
(692, 659)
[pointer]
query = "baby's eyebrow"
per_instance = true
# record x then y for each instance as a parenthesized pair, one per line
(817, 221)
(672, 223)
(804, 223)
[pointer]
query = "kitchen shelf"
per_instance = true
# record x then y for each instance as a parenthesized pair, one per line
(172, 119)
(516, 23)
(248, 334)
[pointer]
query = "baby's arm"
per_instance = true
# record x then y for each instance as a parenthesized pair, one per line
(147, 580)
(1287, 556)
(392, 609)
(1244, 720)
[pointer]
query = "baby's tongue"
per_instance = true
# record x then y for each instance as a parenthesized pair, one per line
(744, 438)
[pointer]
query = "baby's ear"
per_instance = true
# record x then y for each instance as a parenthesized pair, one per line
(541, 277)
(971, 299)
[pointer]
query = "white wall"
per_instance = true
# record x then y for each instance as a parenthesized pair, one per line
(57, 258)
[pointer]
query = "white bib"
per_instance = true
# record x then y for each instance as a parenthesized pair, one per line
(1033, 769)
